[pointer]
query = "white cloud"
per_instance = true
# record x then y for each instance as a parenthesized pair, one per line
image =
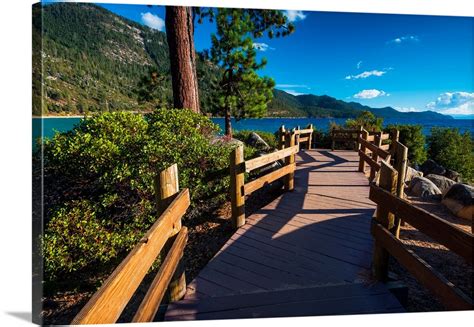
(358, 64)
(453, 103)
(293, 86)
(294, 15)
(293, 92)
(406, 38)
(370, 94)
(366, 74)
(262, 46)
(153, 21)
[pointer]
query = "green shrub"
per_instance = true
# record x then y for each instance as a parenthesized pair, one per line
(412, 137)
(99, 182)
(268, 137)
(321, 139)
(367, 119)
(453, 150)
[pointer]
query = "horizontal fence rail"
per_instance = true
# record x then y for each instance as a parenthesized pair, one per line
(238, 167)
(301, 136)
(390, 207)
(107, 304)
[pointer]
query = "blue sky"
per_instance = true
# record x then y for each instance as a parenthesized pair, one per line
(409, 62)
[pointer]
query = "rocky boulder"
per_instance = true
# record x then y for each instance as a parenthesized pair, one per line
(423, 187)
(412, 173)
(453, 175)
(431, 167)
(442, 182)
(459, 199)
(256, 141)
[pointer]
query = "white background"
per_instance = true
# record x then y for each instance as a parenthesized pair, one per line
(15, 155)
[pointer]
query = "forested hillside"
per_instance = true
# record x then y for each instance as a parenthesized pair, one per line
(95, 61)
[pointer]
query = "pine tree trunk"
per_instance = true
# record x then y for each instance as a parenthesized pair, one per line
(228, 124)
(179, 33)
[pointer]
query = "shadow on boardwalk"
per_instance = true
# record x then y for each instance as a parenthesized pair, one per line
(306, 253)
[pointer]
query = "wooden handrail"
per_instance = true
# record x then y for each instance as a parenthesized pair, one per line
(447, 234)
(107, 304)
(238, 168)
(269, 158)
(451, 296)
(374, 148)
(389, 205)
(268, 178)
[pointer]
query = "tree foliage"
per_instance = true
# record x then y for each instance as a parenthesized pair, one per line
(453, 150)
(366, 119)
(99, 182)
(241, 92)
(412, 137)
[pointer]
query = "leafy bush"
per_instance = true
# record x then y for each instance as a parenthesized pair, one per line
(99, 182)
(321, 139)
(367, 119)
(453, 150)
(412, 137)
(268, 137)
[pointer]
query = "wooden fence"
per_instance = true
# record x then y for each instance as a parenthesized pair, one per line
(238, 167)
(384, 231)
(166, 236)
(301, 136)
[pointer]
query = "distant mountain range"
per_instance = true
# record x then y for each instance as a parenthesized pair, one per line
(93, 61)
(309, 105)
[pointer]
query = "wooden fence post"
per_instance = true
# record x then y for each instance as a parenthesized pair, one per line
(375, 156)
(281, 137)
(356, 142)
(237, 176)
(333, 143)
(401, 159)
(394, 136)
(364, 135)
(310, 137)
(290, 178)
(388, 181)
(166, 189)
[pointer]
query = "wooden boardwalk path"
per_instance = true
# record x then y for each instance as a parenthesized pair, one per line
(306, 253)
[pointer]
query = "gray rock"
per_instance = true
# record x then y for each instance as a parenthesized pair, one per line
(256, 141)
(431, 167)
(442, 182)
(453, 175)
(412, 173)
(423, 187)
(459, 199)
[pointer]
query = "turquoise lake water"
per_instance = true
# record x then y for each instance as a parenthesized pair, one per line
(49, 126)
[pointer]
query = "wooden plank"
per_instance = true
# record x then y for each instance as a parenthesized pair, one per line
(388, 180)
(370, 138)
(268, 178)
(106, 305)
(385, 147)
(151, 302)
(451, 297)
(303, 131)
(369, 161)
(384, 137)
(304, 139)
(447, 234)
(290, 160)
(269, 158)
(374, 148)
